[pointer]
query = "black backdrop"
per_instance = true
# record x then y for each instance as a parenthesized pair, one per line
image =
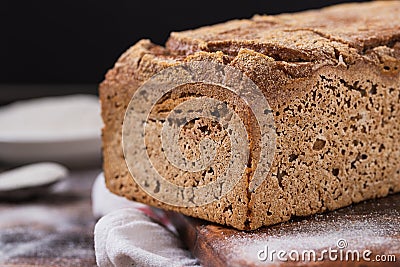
(76, 41)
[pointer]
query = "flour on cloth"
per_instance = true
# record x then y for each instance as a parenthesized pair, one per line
(134, 236)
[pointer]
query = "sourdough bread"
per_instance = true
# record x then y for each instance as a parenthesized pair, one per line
(331, 78)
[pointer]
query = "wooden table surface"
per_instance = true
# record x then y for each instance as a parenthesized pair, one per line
(55, 229)
(372, 225)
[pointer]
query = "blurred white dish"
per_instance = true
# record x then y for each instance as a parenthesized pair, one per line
(30, 180)
(63, 129)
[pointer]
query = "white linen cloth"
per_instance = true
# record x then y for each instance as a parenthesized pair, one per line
(132, 234)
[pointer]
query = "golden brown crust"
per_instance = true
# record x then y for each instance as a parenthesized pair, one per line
(334, 87)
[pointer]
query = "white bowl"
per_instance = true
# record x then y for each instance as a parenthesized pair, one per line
(59, 129)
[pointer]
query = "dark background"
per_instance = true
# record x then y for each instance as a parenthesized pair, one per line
(75, 42)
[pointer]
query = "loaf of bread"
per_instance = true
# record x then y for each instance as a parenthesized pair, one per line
(331, 80)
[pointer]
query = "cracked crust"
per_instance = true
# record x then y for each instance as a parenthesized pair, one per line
(316, 35)
(333, 85)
